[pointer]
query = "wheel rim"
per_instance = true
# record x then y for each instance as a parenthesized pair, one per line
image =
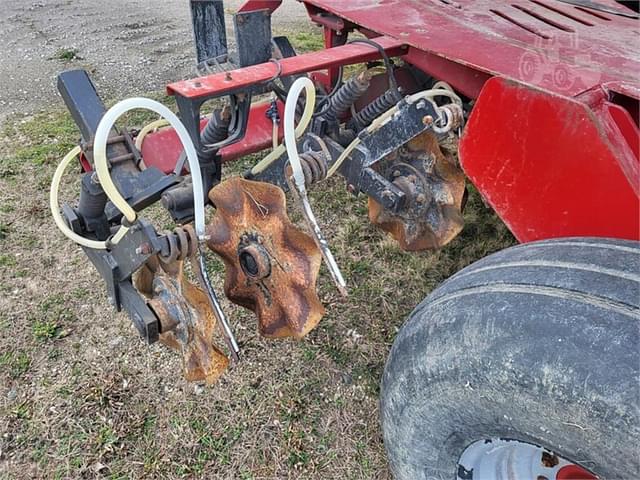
(506, 459)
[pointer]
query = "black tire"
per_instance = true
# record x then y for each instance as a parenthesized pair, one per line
(538, 343)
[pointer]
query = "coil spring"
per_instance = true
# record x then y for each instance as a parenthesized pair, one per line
(183, 243)
(346, 95)
(314, 166)
(376, 108)
(217, 128)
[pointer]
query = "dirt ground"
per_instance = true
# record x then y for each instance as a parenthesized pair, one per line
(129, 46)
(80, 395)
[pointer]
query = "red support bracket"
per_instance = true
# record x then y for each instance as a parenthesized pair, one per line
(243, 78)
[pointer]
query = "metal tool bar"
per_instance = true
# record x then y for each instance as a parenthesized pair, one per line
(245, 78)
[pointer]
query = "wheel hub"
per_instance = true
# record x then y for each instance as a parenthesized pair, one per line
(506, 459)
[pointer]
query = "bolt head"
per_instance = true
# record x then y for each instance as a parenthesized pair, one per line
(427, 120)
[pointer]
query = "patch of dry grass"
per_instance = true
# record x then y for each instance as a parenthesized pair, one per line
(82, 397)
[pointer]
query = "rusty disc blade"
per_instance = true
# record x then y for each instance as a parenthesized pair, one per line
(271, 265)
(434, 186)
(186, 319)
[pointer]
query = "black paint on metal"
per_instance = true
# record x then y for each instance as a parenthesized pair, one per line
(140, 190)
(253, 37)
(116, 266)
(82, 100)
(209, 30)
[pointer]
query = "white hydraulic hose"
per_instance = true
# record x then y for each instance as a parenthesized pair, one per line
(291, 134)
(102, 164)
(146, 130)
(307, 115)
(55, 207)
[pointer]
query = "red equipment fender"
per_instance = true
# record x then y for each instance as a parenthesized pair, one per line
(553, 166)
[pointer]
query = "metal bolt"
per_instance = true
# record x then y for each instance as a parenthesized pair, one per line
(427, 119)
(144, 249)
(396, 173)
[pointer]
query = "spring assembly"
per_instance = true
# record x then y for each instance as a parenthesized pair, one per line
(217, 128)
(314, 166)
(346, 95)
(183, 243)
(376, 108)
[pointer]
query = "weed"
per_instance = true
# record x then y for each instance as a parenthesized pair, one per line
(7, 261)
(44, 329)
(17, 363)
(298, 458)
(22, 411)
(67, 54)
(20, 365)
(106, 437)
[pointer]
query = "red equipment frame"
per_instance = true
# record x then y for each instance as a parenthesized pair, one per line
(553, 139)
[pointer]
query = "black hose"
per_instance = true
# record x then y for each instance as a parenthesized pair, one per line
(376, 108)
(393, 84)
(217, 128)
(346, 95)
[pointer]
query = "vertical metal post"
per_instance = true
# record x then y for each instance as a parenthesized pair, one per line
(209, 30)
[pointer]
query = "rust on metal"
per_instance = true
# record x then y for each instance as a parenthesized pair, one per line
(271, 265)
(187, 322)
(435, 190)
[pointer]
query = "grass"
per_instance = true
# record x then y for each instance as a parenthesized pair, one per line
(67, 54)
(306, 41)
(82, 397)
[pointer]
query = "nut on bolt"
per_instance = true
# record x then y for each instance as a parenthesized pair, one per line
(427, 120)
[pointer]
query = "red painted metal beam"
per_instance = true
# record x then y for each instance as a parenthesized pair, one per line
(161, 149)
(240, 79)
(252, 5)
